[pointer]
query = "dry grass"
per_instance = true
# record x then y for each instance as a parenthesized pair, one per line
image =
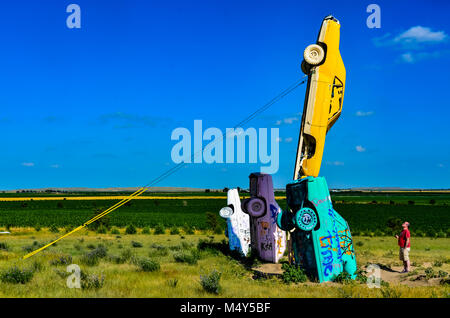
(125, 279)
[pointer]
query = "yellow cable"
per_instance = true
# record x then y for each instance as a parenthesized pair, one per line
(109, 210)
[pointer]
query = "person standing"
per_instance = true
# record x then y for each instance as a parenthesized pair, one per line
(404, 242)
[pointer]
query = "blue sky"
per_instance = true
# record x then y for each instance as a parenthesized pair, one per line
(96, 106)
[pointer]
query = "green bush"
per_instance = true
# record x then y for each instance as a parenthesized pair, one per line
(53, 228)
(148, 265)
(441, 234)
(343, 278)
(211, 282)
(146, 230)
(174, 231)
(136, 244)
(115, 231)
(15, 275)
(62, 260)
(190, 258)
(37, 228)
(293, 274)
(160, 229)
(102, 229)
(93, 257)
(4, 246)
(91, 281)
(131, 229)
(187, 229)
(158, 250)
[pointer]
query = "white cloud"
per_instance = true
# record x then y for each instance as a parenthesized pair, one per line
(419, 34)
(55, 166)
(28, 164)
(440, 165)
(360, 113)
(415, 38)
(335, 163)
(279, 139)
(410, 57)
(360, 148)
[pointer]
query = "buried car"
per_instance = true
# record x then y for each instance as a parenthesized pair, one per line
(266, 238)
(324, 96)
(238, 223)
(321, 239)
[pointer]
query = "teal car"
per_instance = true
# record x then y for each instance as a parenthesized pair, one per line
(321, 240)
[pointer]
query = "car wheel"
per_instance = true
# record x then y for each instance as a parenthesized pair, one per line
(306, 219)
(306, 68)
(226, 212)
(284, 221)
(255, 207)
(314, 54)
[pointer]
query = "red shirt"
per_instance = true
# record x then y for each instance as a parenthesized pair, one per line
(402, 238)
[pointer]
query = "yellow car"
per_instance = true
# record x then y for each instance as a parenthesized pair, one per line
(324, 96)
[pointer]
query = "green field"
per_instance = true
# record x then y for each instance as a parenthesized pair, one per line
(363, 216)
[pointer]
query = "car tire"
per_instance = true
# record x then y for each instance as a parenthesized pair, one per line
(227, 211)
(255, 207)
(306, 219)
(314, 54)
(306, 68)
(284, 221)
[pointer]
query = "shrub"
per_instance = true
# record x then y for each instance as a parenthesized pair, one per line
(174, 231)
(211, 282)
(187, 229)
(148, 265)
(293, 274)
(146, 230)
(391, 202)
(190, 258)
(91, 281)
(172, 282)
(15, 275)
(37, 228)
(343, 278)
(101, 229)
(432, 201)
(211, 221)
(4, 246)
(442, 274)
(410, 202)
(360, 276)
(159, 229)
(124, 257)
(115, 231)
(136, 244)
(53, 228)
(130, 229)
(159, 250)
(437, 263)
(441, 234)
(394, 224)
(378, 233)
(93, 257)
(62, 260)
(359, 243)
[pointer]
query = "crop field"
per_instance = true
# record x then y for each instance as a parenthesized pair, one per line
(367, 215)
